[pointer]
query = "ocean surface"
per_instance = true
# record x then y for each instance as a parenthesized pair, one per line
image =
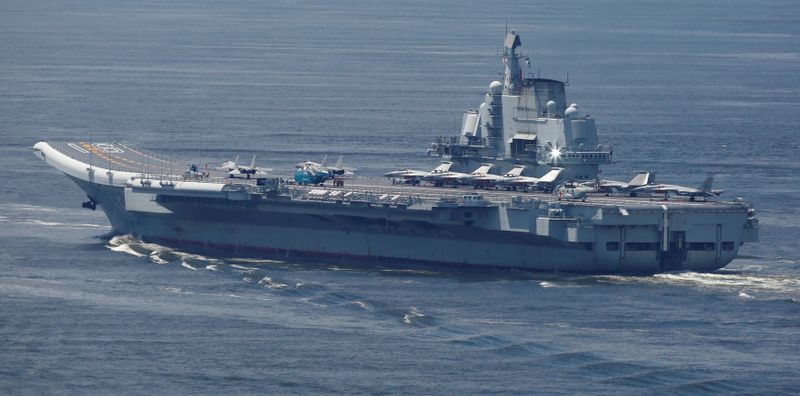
(683, 88)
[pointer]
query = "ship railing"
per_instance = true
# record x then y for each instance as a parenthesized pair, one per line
(383, 198)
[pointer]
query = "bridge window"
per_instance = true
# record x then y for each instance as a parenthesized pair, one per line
(612, 246)
(640, 246)
(728, 245)
(701, 246)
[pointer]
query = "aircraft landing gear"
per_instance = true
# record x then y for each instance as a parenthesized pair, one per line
(90, 204)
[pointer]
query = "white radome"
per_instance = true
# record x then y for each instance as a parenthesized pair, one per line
(496, 88)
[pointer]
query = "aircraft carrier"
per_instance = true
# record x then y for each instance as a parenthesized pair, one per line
(522, 122)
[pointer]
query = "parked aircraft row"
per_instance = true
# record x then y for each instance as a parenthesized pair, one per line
(479, 178)
(643, 183)
(235, 169)
(307, 172)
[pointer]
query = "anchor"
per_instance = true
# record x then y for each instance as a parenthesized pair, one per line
(90, 204)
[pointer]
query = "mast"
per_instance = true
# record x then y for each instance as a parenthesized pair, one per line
(512, 84)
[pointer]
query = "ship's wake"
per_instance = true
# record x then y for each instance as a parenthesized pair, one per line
(267, 274)
(159, 254)
(745, 285)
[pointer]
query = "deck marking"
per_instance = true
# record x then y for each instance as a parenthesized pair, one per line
(76, 147)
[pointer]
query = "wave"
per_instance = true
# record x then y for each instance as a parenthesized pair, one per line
(735, 281)
(56, 224)
(363, 305)
(480, 341)
(558, 285)
(269, 282)
(415, 317)
(251, 273)
(254, 260)
(743, 284)
(28, 208)
(159, 254)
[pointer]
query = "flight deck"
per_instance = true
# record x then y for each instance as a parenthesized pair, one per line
(126, 158)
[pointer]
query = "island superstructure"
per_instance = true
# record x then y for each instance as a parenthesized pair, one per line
(526, 121)
(522, 122)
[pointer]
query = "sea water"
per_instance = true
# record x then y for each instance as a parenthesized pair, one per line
(686, 89)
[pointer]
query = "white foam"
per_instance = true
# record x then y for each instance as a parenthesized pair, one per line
(745, 295)
(125, 248)
(412, 315)
(153, 247)
(410, 271)
(267, 281)
(154, 257)
(243, 268)
(56, 224)
(122, 239)
(212, 267)
(307, 300)
(547, 285)
(256, 261)
(729, 281)
(363, 305)
(31, 208)
(187, 265)
(735, 281)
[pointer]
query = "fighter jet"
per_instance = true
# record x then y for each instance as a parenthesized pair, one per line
(442, 175)
(477, 174)
(489, 180)
(234, 169)
(439, 176)
(704, 190)
(612, 186)
(527, 182)
(406, 176)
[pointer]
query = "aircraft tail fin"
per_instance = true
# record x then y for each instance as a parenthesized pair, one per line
(707, 183)
(443, 167)
(516, 171)
(339, 162)
(482, 170)
(324, 160)
(551, 176)
(642, 179)
(236, 162)
(253, 162)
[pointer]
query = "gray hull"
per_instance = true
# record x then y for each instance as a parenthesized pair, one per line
(315, 231)
(339, 239)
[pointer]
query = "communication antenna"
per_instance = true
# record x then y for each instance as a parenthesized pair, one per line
(90, 169)
(91, 146)
(528, 64)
